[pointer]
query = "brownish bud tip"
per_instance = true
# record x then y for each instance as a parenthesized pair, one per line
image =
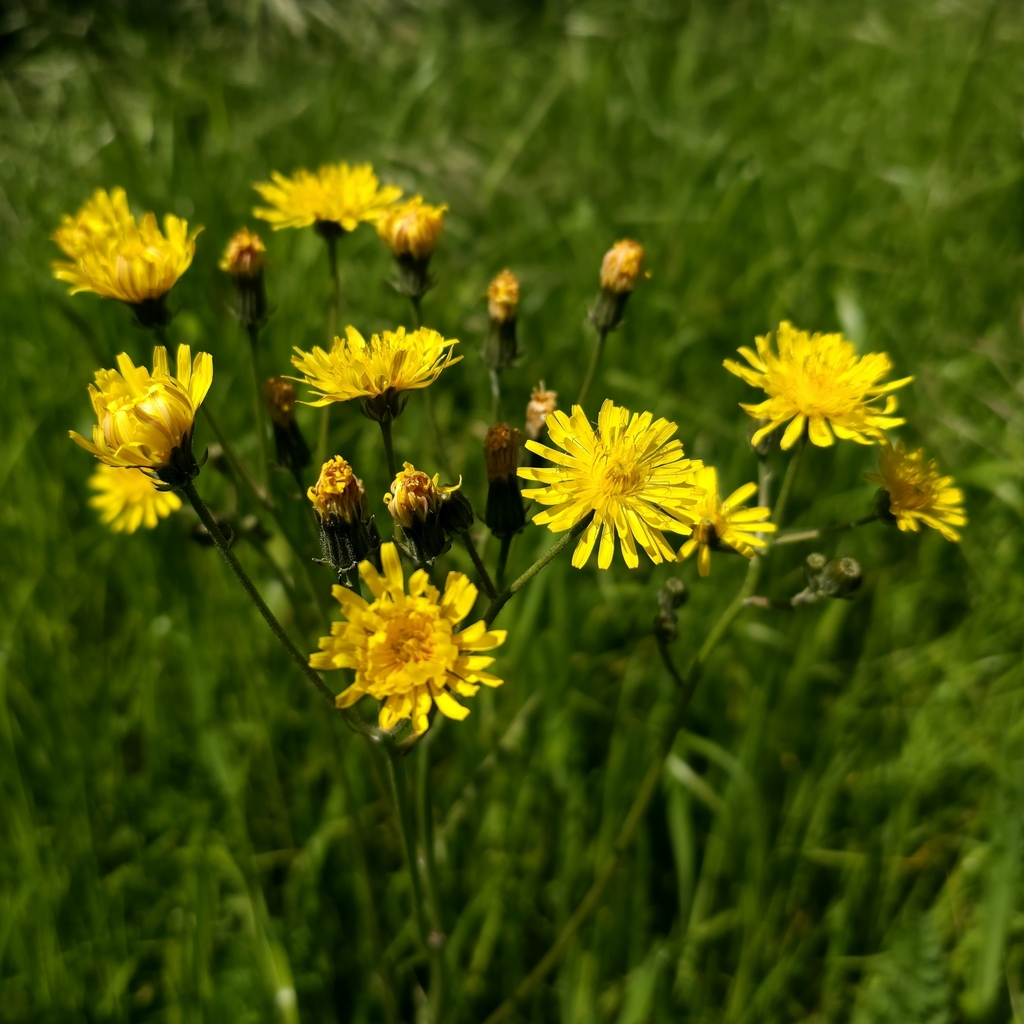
(541, 405)
(244, 255)
(279, 395)
(501, 451)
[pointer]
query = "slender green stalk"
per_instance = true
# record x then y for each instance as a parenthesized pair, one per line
(333, 310)
(478, 562)
(389, 449)
(506, 544)
(801, 535)
(257, 396)
(787, 483)
(417, 311)
(495, 395)
(686, 687)
(592, 368)
(442, 454)
(425, 816)
(510, 591)
(396, 774)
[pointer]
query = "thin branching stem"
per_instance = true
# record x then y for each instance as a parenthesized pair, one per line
(257, 403)
(485, 577)
(592, 368)
(499, 575)
(400, 792)
(796, 536)
(425, 820)
(389, 449)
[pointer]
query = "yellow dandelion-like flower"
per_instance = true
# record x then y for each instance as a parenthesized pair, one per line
(116, 257)
(412, 228)
(918, 493)
(724, 522)
(819, 380)
(628, 473)
(335, 195)
(404, 647)
(389, 363)
(621, 266)
(244, 254)
(128, 499)
(143, 417)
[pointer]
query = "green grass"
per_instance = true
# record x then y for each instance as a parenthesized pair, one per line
(176, 842)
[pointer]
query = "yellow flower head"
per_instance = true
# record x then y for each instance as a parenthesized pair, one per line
(338, 493)
(414, 495)
(541, 405)
(244, 255)
(404, 647)
(117, 258)
(503, 297)
(918, 493)
(412, 228)
(621, 266)
(820, 380)
(390, 362)
(128, 499)
(337, 194)
(142, 416)
(724, 522)
(629, 474)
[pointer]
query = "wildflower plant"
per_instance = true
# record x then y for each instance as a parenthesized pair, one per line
(409, 643)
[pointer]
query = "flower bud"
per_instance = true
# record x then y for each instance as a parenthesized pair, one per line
(292, 450)
(838, 578)
(673, 594)
(541, 405)
(411, 231)
(883, 507)
(426, 514)
(620, 268)
(501, 348)
(347, 531)
(505, 514)
(243, 260)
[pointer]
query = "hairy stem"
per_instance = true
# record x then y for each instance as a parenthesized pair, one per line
(478, 562)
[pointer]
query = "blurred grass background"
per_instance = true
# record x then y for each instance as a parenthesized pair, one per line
(838, 834)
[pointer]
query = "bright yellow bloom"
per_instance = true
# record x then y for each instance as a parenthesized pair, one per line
(412, 228)
(404, 647)
(336, 194)
(503, 297)
(724, 522)
(414, 495)
(918, 493)
(244, 255)
(142, 416)
(128, 499)
(117, 258)
(621, 266)
(820, 380)
(390, 362)
(338, 493)
(628, 474)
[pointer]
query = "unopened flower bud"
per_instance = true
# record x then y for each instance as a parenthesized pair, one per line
(541, 405)
(620, 269)
(422, 509)
(883, 507)
(501, 348)
(666, 627)
(411, 231)
(347, 532)
(673, 594)
(814, 563)
(505, 514)
(840, 578)
(243, 260)
(292, 450)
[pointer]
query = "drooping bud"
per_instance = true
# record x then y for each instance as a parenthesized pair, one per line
(347, 531)
(411, 231)
(620, 269)
(501, 348)
(243, 260)
(426, 514)
(292, 450)
(505, 513)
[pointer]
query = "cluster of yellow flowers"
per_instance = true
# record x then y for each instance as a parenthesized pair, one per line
(625, 479)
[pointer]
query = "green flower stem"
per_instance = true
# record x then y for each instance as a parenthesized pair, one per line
(506, 544)
(686, 685)
(333, 311)
(396, 775)
(478, 562)
(269, 617)
(495, 395)
(796, 536)
(389, 450)
(510, 591)
(787, 483)
(257, 395)
(592, 368)
(416, 301)
(425, 816)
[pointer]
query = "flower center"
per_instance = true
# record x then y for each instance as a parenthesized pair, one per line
(704, 532)
(623, 474)
(409, 638)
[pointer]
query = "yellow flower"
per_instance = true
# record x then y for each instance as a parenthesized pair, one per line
(336, 195)
(142, 417)
(128, 499)
(414, 495)
(724, 522)
(918, 493)
(244, 255)
(404, 647)
(818, 379)
(503, 297)
(621, 266)
(338, 493)
(412, 229)
(389, 363)
(117, 258)
(629, 474)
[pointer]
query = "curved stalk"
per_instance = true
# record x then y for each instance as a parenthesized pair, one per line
(485, 577)
(796, 536)
(592, 368)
